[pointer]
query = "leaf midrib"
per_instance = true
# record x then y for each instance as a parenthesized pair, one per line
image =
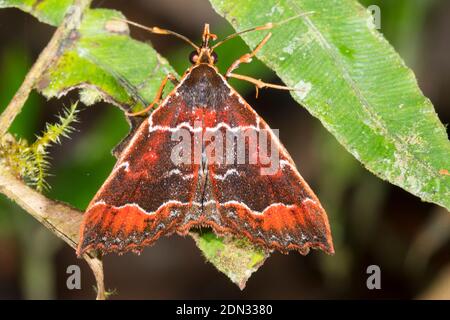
(379, 124)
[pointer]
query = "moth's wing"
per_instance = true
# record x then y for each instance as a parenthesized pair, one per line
(146, 195)
(274, 207)
(135, 123)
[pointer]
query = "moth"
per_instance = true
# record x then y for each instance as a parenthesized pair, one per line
(153, 191)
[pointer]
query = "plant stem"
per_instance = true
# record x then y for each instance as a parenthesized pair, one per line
(71, 22)
(59, 218)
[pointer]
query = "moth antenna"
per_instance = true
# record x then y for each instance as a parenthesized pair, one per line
(266, 26)
(157, 30)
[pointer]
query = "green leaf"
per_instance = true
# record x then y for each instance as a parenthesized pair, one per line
(237, 258)
(48, 11)
(103, 61)
(356, 84)
(106, 64)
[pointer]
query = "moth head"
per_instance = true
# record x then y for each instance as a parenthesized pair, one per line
(204, 54)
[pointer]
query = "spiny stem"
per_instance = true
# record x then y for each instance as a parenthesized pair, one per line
(52, 134)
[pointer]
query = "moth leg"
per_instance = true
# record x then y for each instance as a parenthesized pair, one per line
(261, 84)
(158, 96)
(247, 58)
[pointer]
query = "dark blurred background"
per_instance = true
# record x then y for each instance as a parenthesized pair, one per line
(373, 222)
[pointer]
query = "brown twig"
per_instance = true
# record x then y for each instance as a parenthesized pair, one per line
(59, 218)
(97, 268)
(71, 22)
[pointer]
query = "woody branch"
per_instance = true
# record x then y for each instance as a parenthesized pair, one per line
(59, 218)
